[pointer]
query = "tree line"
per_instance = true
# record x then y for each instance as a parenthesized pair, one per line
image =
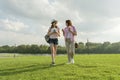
(88, 47)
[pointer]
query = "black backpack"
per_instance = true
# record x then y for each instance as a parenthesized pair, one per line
(47, 38)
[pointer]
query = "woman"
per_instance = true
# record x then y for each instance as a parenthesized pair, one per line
(69, 32)
(54, 33)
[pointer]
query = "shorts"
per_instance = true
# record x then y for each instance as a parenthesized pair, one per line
(53, 41)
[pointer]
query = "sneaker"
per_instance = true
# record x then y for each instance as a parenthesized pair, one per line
(68, 63)
(72, 61)
(53, 63)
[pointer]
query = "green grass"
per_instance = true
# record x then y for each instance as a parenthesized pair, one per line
(86, 67)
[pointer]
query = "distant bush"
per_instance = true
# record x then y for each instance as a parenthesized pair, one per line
(88, 47)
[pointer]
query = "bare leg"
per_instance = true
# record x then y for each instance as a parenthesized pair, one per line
(52, 52)
(55, 50)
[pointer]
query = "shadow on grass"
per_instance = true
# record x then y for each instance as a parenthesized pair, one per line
(29, 68)
(85, 66)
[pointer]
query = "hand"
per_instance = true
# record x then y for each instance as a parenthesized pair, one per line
(70, 30)
(54, 31)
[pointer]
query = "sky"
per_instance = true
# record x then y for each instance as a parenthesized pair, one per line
(27, 21)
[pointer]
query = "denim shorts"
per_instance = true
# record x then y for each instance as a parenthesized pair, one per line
(53, 41)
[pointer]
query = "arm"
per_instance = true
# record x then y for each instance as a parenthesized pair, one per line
(63, 32)
(58, 33)
(73, 32)
(49, 33)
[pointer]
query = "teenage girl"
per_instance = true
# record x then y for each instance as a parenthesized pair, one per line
(54, 33)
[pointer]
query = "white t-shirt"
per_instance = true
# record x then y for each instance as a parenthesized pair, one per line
(69, 34)
(54, 30)
(54, 35)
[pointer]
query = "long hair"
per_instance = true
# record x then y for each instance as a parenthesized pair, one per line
(53, 23)
(69, 23)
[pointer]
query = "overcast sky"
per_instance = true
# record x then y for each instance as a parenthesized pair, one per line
(27, 21)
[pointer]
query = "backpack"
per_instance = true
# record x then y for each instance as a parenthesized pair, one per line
(47, 38)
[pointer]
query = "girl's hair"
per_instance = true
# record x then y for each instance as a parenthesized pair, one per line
(55, 21)
(69, 22)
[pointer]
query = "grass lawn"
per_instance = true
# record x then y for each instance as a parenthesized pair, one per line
(86, 67)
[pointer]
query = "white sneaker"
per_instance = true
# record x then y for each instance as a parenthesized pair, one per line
(68, 63)
(72, 61)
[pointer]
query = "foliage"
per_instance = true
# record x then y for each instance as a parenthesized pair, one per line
(89, 47)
